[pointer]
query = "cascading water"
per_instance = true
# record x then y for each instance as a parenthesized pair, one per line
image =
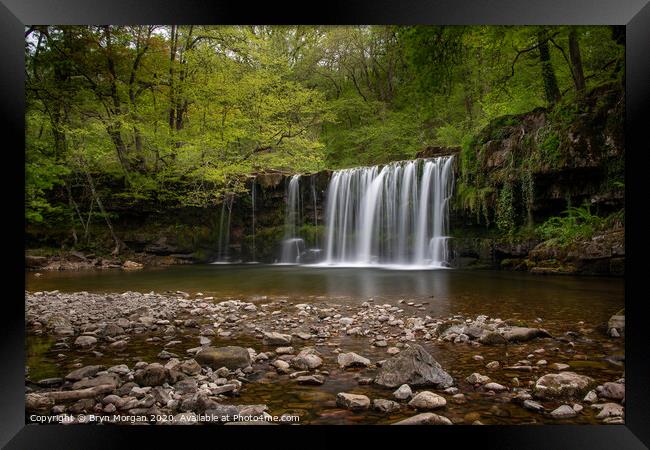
(292, 245)
(224, 229)
(394, 215)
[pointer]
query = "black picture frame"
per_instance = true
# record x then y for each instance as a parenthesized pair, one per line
(634, 14)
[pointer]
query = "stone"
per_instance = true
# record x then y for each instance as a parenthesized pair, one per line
(591, 397)
(38, 403)
(152, 375)
(533, 406)
(190, 367)
(351, 359)
(307, 359)
(425, 419)
(112, 330)
(230, 357)
(563, 412)
(83, 372)
(315, 380)
(492, 338)
(492, 365)
(131, 265)
(281, 366)
(427, 400)
(496, 387)
(273, 338)
(353, 402)
(85, 341)
(616, 322)
(107, 379)
(612, 391)
(403, 392)
(564, 385)
(385, 406)
(284, 350)
(559, 366)
(523, 334)
(609, 410)
(413, 366)
(118, 345)
(477, 378)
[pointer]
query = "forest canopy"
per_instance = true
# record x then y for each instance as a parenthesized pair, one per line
(151, 108)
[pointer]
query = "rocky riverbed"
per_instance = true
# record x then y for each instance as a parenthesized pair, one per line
(174, 358)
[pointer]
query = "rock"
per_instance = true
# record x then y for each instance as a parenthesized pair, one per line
(284, 351)
(85, 341)
(107, 379)
(152, 375)
(492, 365)
(230, 357)
(616, 322)
(425, 419)
(131, 265)
(385, 406)
(281, 366)
(563, 385)
(190, 367)
(307, 359)
(533, 406)
(38, 403)
(403, 392)
(112, 330)
(311, 379)
(118, 345)
(64, 396)
(522, 334)
(591, 397)
(273, 338)
(496, 387)
(492, 338)
(609, 410)
(352, 401)
(613, 391)
(392, 350)
(413, 366)
(83, 372)
(427, 400)
(563, 412)
(351, 359)
(477, 378)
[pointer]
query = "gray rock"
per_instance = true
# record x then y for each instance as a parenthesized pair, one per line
(413, 366)
(564, 385)
(307, 360)
(352, 401)
(609, 410)
(425, 419)
(107, 379)
(152, 375)
(613, 391)
(477, 378)
(230, 357)
(385, 406)
(273, 338)
(85, 341)
(38, 403)
(403, 392)
(427, 400)
(311, 379)
(83, 372)
(522, 334)
(533, 406)
(563, 412)
(496, 387)
(351, 359)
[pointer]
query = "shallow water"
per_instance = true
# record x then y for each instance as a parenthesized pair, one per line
(556, 303)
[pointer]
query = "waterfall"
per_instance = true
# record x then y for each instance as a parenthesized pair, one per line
(394, 215)
(292, 245)
(313, 196)
(224, 229)
(253, 221)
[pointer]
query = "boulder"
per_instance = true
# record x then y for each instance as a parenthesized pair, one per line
(477, 378)
(38, 403)
(564, 385)
(230, 357)
(613, 391)
(85, 341)
(273, 338)
(403, 392)
(154, 374)
(522, 334)
(563, 412)
(307, 359)
(413, 366)
(427, 400)
(83, 372)
(385, 406)
(107, 379)
(131, 265)
(351, 359)
(352, 401)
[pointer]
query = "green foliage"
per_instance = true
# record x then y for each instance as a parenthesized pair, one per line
(505, 211)
(578, 223)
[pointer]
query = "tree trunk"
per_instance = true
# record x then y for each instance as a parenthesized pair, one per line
(576, 62)
(548, 74)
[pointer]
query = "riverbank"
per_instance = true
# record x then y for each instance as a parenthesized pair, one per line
(182, 356)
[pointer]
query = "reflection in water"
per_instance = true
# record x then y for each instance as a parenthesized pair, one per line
(448, 291)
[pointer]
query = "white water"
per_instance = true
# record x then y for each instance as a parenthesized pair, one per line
(253, 208)
(292, 245)
(224, 230)
(396, 216)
